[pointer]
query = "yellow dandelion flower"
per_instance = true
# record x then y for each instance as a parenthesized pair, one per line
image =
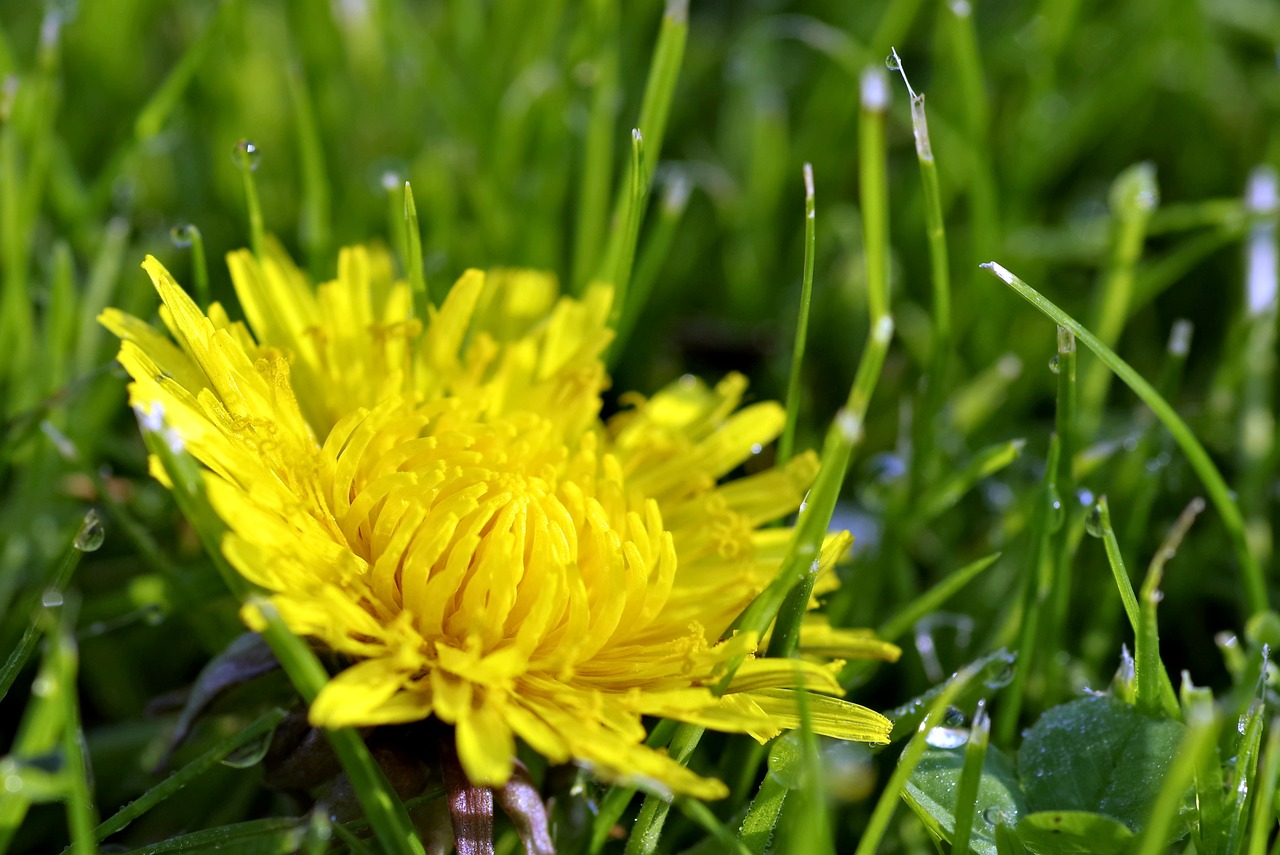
(441, 503)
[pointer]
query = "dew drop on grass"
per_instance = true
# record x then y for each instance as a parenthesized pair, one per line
(1054, 364)
(994, 816)
(51, 599)
(1057, 512)
(92, 533)
(246, 155)
(13, 783)
(1000, 678)
(892, 62)
(1093, 521)
(947, 737)
(182, 236)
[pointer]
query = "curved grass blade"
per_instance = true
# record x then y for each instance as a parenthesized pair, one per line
(1255, 587)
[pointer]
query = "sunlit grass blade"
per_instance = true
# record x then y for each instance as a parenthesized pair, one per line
(189, 236)
(246, 156)
(787, 442)
(1155, 694)
(82, 816)
(617, 798)
(1255, 588)
(760, 823)
(413, 254)
(1123, 584)
(638, 196)
(705, 819)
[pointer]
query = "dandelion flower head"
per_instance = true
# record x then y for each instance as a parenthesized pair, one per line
(438, 501)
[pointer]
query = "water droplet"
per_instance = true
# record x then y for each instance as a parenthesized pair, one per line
(42, 687)
(848, 772)
(1242, 723)
(785, 761)
(953, 717)
(183, 236)
(756, 448)
(92, 533)
(13, 784)
(1000, 678)
(892, 62)
(994, 816)
(391, 181)
(1057, 512)
(246, 155)
(1055, 364)
(51, 598)
(1093, 521)
(947, 737)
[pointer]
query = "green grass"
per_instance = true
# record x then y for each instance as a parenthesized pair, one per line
(1033, 437)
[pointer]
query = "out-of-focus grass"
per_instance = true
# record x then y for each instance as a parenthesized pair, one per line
(1101, 151)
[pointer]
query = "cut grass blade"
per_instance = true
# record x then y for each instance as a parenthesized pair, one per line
(874, 189)
(1255, 587)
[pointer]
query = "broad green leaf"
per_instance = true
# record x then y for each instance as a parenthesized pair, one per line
(1097, 755)
(1069, 832)
(931, 793)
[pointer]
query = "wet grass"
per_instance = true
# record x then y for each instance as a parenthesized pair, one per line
(1009, 449)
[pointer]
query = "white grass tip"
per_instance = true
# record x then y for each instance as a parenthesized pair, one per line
(391, 180)
(874, 89)
(960, 8)
(636, 136)
(1262, 193)
(1009, 366)
(808, 180)
(996, 268)
(677, 11)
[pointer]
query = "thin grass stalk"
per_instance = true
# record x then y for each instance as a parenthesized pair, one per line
(1200, 738)
(1257, 418)
(668, 56)
(91, 526)
(259, 728)
(787, 443)
(621, 274)
(413, 255)
(1036, 587)
(960, 31)
(889, 798)
(1255, 588)
(1116, 561)
(787, 596)
(874, 189)
(648, 265)
(975, 755)
(593, 193)
(246, 154)
(81, 814)
(644, 836)
(1263, 820)
(315, 230)
(617, 798)
(189, 235)
(1134, 194)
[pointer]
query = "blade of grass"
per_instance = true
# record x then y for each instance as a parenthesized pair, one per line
(188, 773)
(593, 193)
(1134, 195)
(888, 801)
(246, 156)
(617, 798)
(273, 836)
(668, 56)
(1123, 584)
(950, 488)
(81, 814)
(975, 755)
(1155, 695)
(874, 189)
(189, 236)
(1200, 738)
(644, 836)
(1036, 589)
(413, 255)
(1255, 588)
(787, 442)
(620, 276)
(315, 229)
(90, 531)
(1263, 821)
